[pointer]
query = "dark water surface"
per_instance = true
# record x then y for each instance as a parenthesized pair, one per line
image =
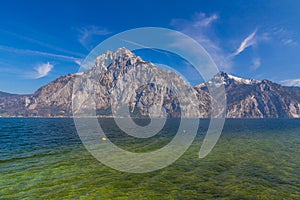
(254, 159)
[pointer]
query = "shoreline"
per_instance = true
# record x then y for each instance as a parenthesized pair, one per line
(111, 117)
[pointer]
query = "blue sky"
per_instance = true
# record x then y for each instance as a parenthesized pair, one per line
(40, 41)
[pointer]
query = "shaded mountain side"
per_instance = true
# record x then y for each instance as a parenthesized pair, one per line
(248, 98)
(13, 104)
(142, 85)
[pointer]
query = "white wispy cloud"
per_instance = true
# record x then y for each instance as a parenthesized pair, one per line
(247, 42)
(86, 34)
(288, 41)
(202, 20)
(197, 21)
(200, 28)
(42, 70)
(40, 43)
(283, 35)
(291, 82)
(256, 62)
(39, 53)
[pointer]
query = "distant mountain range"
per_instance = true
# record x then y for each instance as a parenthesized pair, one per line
(246, 98)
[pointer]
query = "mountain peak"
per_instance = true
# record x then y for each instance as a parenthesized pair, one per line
(124, 51)
(119, 53)
(225, 78)
(245, 97)
(122, 54)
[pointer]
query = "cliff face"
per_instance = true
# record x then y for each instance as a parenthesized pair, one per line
(267, 99)
(120, 78)
(122, 84)
(247, 98)
(53, 99)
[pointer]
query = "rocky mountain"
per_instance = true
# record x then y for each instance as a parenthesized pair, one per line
(120, 78)
(248, 98)
(12, 104)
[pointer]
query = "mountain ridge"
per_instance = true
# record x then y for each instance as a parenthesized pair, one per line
(246, 98)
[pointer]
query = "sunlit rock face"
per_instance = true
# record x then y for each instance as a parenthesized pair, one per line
(122, 84)
(248, 98)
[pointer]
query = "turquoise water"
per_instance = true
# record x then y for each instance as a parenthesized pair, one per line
(254, 159)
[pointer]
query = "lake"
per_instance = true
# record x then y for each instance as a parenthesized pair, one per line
(253, 159)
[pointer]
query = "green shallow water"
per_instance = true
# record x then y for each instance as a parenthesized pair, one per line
(254, 159)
